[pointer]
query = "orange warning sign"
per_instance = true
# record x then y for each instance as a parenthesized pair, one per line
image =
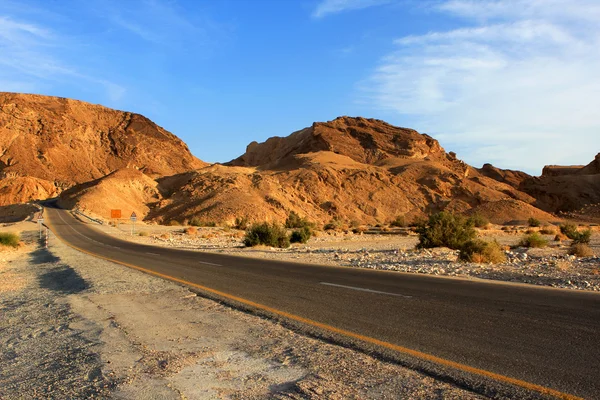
(115, 213)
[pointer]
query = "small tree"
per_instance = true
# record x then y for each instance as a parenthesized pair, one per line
(399, 222)
(445, 230)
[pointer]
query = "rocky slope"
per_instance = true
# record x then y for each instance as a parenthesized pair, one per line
(565, 189)
(66, 142)
(352, 169)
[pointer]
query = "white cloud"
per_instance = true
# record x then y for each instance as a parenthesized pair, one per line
(326, 7)
(517, 87)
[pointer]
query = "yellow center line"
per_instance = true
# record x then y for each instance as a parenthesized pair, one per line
(404, 350)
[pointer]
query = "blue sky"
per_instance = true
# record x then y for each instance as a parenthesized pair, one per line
(512, 82)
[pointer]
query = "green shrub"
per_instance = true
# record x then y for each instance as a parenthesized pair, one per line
(570, 231)
(479, 221)
(533, 240)
(267, 234)
(143, 233)
(581, 250)
(479, 251)
(301, 235)
(445, 230)
(534, 222)
(333, 225)
(195, 221)
(582, 237)
(399, 222)
(241, 223)
(294, 221)
(9, 239)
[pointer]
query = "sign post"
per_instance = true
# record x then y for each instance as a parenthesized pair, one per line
(40, 222)
(115, 215)
(133, 218)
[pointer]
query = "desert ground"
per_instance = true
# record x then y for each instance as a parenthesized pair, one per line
(74, 326)
(551, 266)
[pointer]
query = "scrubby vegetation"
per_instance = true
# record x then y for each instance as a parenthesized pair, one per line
(548, 230)
(9, 239)
(301, 235)
(479, 221)
(533, 240)
(174, 223)
(268, 234)
(195, 221)
(333, 225)
(570, 231)
(295, 221)
(533, 222)
(479, 251)
(143, 233)
(445, 230)
(399, 222)
(241, 223)
(581, 250)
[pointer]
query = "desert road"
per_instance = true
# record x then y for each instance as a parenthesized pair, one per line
(499, 339)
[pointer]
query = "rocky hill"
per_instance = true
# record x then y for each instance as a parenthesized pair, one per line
(65, 142)
(566, 189)
(355, 170)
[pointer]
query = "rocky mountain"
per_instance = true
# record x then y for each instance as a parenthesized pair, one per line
(66, 142)
(355, 170)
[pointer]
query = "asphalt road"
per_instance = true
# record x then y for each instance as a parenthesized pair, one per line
(541, 336)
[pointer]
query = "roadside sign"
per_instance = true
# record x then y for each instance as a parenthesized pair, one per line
(133, 216)
(40, 220)
(115, 214)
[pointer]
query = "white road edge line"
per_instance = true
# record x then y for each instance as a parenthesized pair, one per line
(153, 254)
(365, 290)
(207, 263)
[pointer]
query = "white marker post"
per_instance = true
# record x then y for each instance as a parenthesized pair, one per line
(133, 218)
(40, 222)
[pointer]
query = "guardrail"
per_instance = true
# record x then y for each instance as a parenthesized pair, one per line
(88, 217)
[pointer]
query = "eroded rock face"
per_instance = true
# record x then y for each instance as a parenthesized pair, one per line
(367, 141)
(68, 141)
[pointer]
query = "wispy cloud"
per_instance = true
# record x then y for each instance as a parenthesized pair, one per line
(29, 61)
(518, 86)
(327, 7)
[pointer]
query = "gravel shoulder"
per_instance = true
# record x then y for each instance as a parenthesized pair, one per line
(74, 326)
(551, 266)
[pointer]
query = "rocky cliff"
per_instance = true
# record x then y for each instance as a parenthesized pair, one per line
(68, 141)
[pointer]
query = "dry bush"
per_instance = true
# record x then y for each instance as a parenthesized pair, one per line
(190, 230)
(533, 240)
(9, 239)
(143, 233)
(547, 230)
(581, 250)
(533, 222)
(530, 231)
(478, 251)
(174, 223)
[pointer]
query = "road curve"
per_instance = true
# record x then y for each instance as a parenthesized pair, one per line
(544, 340)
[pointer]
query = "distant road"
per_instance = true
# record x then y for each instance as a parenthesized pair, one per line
(462, 329)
